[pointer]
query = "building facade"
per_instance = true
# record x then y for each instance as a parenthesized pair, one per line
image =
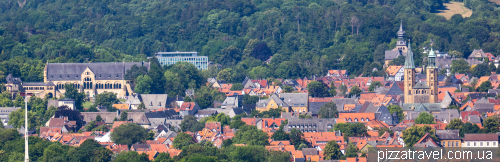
(90, 78)
(400, 50)
(420, 92)
(169, 58)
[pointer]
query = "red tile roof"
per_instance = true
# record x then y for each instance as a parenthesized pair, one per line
(186, 106)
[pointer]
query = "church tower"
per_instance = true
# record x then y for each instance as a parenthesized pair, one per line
(409, 76)
(401, 44)
(431, 73)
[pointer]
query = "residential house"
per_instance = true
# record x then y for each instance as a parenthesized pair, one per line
(159, 117)
(310, 125)
(478, 54)
(155, 101)
(188, 108)
(133, 101)
(267, 124)
(383, 114)
(480, 140)
(449, 138)
(426, 141)
(5, 112)
(205, 113)
(357, 117)
(337, 73)
(236, 111)
(70, 103)
(232, 102)
(297, 102)
(272, 102)
(446, 115)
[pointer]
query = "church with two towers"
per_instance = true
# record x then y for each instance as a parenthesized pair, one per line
(418, 95)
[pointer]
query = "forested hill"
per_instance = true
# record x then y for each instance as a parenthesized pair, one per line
(305, 37)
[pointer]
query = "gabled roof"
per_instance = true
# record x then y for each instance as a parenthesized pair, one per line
(481, 137)
(187, 106)
(393, 70)
(102, 71)
(477, 53)
(448, 134)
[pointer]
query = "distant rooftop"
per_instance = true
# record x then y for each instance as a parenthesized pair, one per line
(176, 54)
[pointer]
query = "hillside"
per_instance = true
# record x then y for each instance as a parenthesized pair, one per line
(304, 37)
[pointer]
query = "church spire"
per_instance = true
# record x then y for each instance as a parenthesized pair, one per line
(409, 58)
(432, 58)
(401, 32)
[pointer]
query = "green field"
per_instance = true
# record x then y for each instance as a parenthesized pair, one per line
(87, 104)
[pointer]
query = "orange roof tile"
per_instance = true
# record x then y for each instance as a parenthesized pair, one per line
(349, 107)
(393, 70)
(121, 106)
(118, 123)
(353, 117)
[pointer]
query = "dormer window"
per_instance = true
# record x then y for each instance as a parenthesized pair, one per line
(367, 119)
(51, 77)
(356, 119)
(109, 76)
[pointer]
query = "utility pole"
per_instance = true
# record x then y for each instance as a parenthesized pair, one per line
(26, 153)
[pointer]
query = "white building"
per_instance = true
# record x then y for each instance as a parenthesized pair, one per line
(67, 102)
(480, 140)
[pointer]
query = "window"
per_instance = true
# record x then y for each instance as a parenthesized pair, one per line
(480, 143)
(456, 144)
(356, 119)
(487, 143)
(468, 143)
(474, 143)
(367, 119)
(449, 144)
(362, 119)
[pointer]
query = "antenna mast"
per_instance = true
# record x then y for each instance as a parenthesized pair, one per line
(26, 153)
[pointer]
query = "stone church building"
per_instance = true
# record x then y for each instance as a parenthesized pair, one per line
(90, 78)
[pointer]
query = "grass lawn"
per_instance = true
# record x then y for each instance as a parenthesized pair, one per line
(87, 104)
(453, 8)
(122, 100)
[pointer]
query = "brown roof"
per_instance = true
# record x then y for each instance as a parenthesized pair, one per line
(481, 137)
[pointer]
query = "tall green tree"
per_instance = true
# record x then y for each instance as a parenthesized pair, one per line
(156, 74)
(491, 124)
(143, 84)
(398, 110)
(128, 134)
(131, 156)
(182, 140)
(106, 99)
(328, 110)
(332, 151)
(317, 89)
(413, 134)
(374, 85)
(351, 150)
(72, 93)
(355, 91)
(333, 89)
(251, 136)
(484, 86)
(424, 118)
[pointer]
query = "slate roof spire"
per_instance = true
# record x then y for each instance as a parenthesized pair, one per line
(401, 32)
(409, 58)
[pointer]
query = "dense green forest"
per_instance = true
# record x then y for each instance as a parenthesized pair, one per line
(304, 37)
